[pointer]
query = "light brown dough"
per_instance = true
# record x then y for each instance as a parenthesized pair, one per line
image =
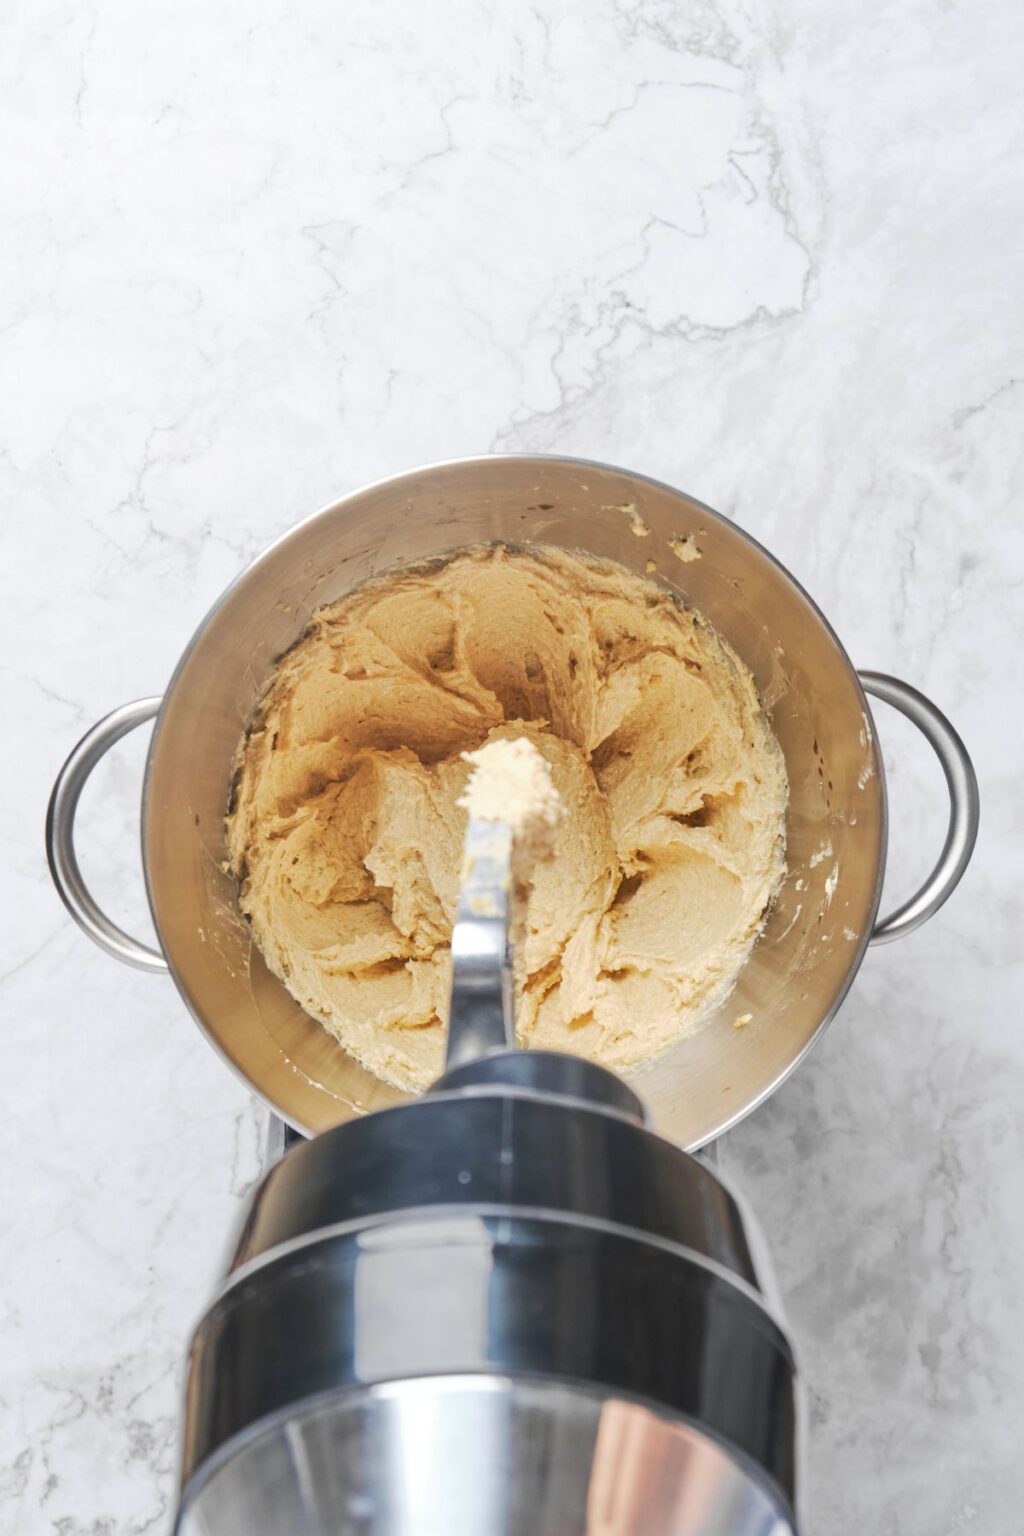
(346, 832)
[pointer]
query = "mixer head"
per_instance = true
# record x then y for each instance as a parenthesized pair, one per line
(506, 1307)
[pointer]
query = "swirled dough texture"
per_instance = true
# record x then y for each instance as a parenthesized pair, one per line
(346, 833)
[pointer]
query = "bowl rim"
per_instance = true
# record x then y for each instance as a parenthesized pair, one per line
(331, 510)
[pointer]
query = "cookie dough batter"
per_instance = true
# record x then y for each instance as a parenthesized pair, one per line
(346, 830)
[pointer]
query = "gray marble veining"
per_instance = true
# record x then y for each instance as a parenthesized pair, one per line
(769, 252)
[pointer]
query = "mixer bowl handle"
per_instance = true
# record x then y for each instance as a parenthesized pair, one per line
(60, 836)
(962, 783)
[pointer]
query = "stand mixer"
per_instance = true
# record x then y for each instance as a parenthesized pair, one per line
(505, 1307)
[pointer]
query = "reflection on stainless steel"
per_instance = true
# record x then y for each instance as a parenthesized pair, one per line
(439, 1288)
(651, 1475)
(480, 1456)
(818, 930)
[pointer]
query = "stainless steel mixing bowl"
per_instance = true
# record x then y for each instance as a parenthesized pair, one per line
(820, 926)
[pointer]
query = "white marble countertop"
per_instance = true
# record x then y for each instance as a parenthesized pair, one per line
(254, 256)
